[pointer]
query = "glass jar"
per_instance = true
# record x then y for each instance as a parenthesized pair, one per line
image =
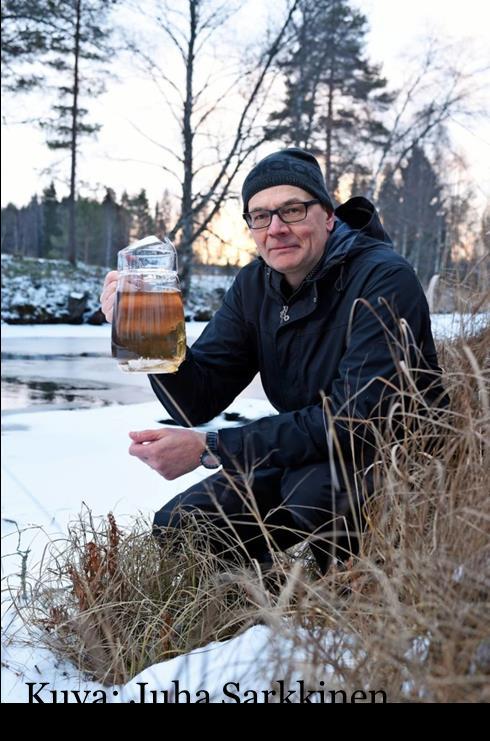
(148, 326)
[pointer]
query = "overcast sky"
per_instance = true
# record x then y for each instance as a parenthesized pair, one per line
(395, 30)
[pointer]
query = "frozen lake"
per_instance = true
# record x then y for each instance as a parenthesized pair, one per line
(70, 367)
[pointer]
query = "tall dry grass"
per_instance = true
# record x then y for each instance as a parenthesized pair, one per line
(409, 614)
(412, 612)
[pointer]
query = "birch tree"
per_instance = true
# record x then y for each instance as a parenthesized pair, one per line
(206, 164)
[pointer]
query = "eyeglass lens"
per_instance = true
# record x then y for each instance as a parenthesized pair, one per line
(289, 214)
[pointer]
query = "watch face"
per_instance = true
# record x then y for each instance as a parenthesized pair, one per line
(209, 461)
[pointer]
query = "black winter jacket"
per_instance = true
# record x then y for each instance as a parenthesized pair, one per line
(320, 351)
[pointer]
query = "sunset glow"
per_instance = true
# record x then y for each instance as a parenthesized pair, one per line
(229, 241)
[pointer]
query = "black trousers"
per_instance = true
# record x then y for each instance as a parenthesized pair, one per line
(273, 509)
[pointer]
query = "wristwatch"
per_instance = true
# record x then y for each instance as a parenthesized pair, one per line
(210, 457)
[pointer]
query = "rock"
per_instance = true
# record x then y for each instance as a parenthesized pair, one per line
(27, 313)
(96, 317)
(203, 315)
(77, 305)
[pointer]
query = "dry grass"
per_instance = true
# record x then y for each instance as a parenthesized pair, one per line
(115, 602)
(409, 615)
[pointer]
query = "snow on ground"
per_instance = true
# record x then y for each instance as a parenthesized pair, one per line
(447, 326)
(243, 669)
(55, 460)
(40, 290)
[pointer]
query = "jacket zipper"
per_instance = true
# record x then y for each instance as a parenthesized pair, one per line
(283, 314)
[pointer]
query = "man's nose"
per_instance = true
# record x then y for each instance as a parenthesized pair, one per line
(277, 226)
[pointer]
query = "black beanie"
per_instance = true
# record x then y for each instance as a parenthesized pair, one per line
(291, 166)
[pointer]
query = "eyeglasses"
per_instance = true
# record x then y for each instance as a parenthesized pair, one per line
(289, 214)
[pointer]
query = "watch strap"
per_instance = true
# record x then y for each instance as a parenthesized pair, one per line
(212, 443)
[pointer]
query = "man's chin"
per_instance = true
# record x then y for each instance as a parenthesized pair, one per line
(283, 261)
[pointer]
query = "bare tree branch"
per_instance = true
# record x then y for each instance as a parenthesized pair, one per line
(269, 59)
(156, 143)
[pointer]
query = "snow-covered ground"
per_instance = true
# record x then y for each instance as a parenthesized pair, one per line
(53, 461)
(39, 290)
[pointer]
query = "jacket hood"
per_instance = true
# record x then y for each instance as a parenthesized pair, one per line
(357, 227)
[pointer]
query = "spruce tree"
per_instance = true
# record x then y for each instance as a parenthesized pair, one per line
(109, 207)
(142, 223)
(51, 220)
(411, 206)
(10, 229)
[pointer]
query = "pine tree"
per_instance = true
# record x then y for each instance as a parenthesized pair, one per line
(67, 36)
(333, 94)
(84, 39)
(30, 228)
(163, 215)
(126, 218)
(29, 29)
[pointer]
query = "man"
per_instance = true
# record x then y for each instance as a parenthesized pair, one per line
(335, 321)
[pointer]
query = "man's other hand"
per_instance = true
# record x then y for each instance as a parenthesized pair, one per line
(171, 453)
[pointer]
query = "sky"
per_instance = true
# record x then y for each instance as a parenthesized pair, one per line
(123, 158)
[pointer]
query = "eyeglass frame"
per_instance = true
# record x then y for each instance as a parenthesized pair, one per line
(273, 211)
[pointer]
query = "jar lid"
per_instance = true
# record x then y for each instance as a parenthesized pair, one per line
(156, 244)
(147, 253)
